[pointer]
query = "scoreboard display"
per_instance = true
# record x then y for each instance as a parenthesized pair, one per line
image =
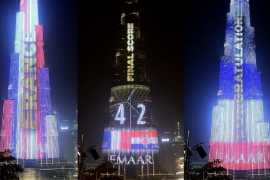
(131, 127)
(130, 106)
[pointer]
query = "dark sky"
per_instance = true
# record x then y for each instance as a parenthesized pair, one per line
(60, 26)
(204, 29)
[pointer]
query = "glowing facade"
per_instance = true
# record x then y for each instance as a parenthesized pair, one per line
(131, 137)
(240, 134)
(29, 127)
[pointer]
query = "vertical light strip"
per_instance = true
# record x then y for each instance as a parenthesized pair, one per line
(18, 38)
(31, 144)
(20, 85)
(30, 58)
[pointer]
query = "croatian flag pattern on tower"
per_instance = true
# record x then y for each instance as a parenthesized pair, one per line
(240, 134)
(130, 140)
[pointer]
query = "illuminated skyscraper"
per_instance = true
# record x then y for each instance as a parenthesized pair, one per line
(131, 138)
(240, 134)
(172, 153)
(29, 127)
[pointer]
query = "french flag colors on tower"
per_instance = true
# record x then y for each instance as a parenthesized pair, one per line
(130, 140)
(28, 118)
(240, 135)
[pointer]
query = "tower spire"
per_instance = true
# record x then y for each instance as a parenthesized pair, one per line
(240, 8)
(30, 10)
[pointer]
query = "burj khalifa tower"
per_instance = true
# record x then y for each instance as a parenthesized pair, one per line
(29, 126)
(240, 133)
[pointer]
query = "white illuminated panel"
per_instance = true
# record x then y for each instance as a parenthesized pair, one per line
(64, 128)
(52, 137)
(165, 140)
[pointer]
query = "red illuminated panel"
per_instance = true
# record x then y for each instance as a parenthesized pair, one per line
(6, 129)
(40, 44)
(241, 156)
(23, 5)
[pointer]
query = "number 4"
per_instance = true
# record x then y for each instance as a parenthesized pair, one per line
(120, 115)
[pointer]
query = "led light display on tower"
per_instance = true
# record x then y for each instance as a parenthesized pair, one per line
(131, 137)
(240, 134)
(28, 125)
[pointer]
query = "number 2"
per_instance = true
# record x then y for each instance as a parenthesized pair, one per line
(142, 107)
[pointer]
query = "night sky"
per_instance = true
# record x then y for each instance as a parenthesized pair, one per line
(60, 33)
